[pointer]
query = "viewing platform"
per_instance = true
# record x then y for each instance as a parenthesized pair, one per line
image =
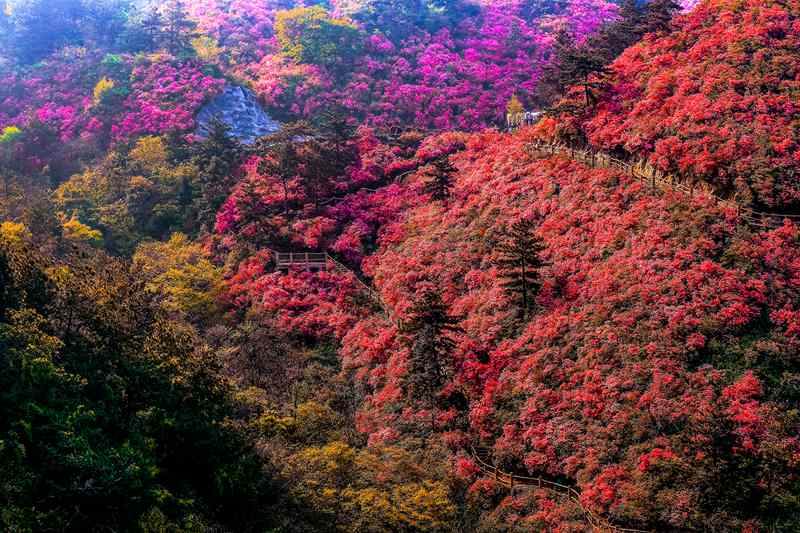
(301, 260)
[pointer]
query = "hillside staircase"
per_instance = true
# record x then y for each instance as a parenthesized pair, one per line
(322, 261)
(482, 457)
(659, 180)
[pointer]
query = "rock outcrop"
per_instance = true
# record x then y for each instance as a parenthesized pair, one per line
(239, 109)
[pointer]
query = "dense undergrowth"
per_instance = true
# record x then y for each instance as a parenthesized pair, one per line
(160, 374)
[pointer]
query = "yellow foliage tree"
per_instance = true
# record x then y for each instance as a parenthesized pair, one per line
(180, 272)
(75, 230)
(130, 196)
(370, 490)
(206, 48)
(310, 35)
(423, 506)
(14, 232)
(322, 475)
(9, 134)
(514, 106)
(150, 154)
(82, 192)
(102, 87)
(317, 422)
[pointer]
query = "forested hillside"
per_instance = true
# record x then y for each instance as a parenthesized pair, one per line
(284, 266)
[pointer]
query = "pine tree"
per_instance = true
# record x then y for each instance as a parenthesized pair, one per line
(619, 35)
(658, 16)
(585, 64)
(520, 262)
(217, 159)
(336, 128)
(178, 28)
(429, 330)
(441, 181)
(150, 30)
(635, 20)
(280, 157)
(578, 65)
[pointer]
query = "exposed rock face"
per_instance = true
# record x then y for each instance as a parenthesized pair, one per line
(238, 108)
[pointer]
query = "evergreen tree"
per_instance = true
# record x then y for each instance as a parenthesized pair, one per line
(533, 9)
(177, 27)
(617, 36)
(396, 19)
(520, 262)
(585, 64)
(429, 330)
(37, 28)
(217, 159)
(441, 181)
(658, 16)
(577, 65)
(103, 21)
(335, 127)
(321, 168)
(635, 21)
(107, 411)
(150, 30)
(280, 157)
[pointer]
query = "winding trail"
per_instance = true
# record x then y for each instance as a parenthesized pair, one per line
(640, 170)
(658, 180)
(323, 261)
(483, 460)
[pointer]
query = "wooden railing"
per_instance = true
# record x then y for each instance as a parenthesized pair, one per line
(657, 179)
(482, 458)
(322, 261)
(301, 260)
(373, 295)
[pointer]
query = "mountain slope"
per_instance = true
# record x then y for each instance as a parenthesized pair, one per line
(715, 100)
(655, 369)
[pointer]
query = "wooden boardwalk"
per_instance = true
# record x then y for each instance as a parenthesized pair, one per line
(301, 261)
(483, 460)
(640, 170)
(323, 262)
(658, 180)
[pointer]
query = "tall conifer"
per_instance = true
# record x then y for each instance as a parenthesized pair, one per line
(429, 330)
(441, 179)
(520, 263)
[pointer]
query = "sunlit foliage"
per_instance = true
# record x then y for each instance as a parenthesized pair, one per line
(311, 35)
(179, 273)
(102, 87)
